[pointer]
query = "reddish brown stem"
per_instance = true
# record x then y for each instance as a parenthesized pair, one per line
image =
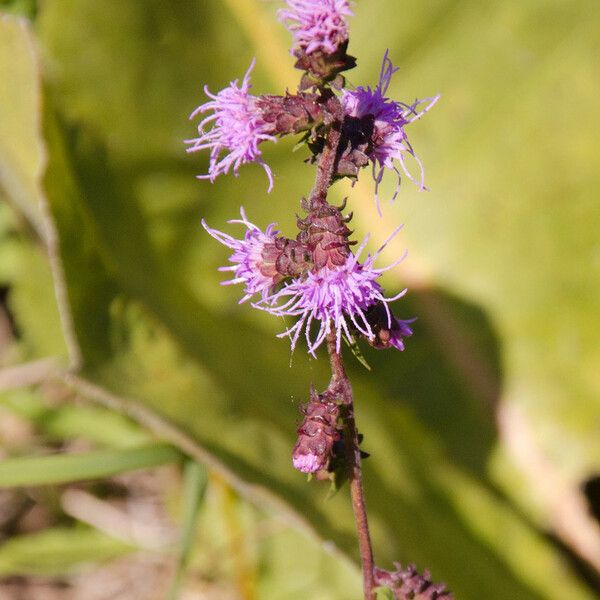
(342, 388)
(326, 165)
(340, 384)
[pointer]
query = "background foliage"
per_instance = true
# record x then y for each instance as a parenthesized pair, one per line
(481, 433)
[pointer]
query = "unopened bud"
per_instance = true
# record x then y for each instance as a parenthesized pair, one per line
(325, 232)
(317, 434)
(321, 67)
(290, 113)
(407, 584)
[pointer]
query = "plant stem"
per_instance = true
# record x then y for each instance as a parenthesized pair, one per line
(328, 159)
(341, 386)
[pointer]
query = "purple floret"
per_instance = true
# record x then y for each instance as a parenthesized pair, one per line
(307, 463)
(317, 25)
(237, 129)
(389, 141)
(249, 264)
(399, 330)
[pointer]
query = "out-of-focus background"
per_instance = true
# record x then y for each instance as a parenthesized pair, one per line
(160, 467)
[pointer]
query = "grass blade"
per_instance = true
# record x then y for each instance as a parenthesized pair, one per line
(66, 468)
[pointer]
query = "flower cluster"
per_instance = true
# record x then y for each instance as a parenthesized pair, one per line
(408, 584)
(343, 298)
(387, 120)
(337, 298)
(253, 257)
(317, 25)
(237, 130)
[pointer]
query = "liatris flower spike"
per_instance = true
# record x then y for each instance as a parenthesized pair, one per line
(330, 293)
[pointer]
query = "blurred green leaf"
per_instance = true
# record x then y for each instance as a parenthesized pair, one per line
(195, 480)
(98, 425)
(21, 148)
(383, 593)
(67, 468)
(23, 264)
(70, 421)
(57, 551)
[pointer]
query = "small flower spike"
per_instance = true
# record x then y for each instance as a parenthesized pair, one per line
(237, 129)
(338, 297)
(386, 120)
(253, 259)
(317, 25)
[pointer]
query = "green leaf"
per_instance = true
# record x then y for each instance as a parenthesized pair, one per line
(67, 468)
(57, 551)
(70, 421)
(356, 351)
(21, 148)
(194, 488)
(23, 263)
(384, 593)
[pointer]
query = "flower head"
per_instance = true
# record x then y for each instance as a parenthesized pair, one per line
(253, 258)
(389, 141)
(338, 297)
(237, 129)
(317, 25)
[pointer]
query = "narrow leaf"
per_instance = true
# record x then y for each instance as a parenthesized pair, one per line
(66, 468)
(195, 482)
(57, 551)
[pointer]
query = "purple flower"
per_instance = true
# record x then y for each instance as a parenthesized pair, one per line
(389, 140)
(308, 463)
(317, 25)
(237, 130)
(253, 257)
(338, 297)
(399, 330)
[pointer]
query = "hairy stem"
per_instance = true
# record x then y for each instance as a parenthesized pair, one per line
(340, 384)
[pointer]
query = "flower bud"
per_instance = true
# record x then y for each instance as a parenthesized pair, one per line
(290, 113)
(321, 67)
(407, 584)
(325, 232)
(317, 434)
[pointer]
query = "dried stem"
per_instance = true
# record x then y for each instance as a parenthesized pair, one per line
(340, 384)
